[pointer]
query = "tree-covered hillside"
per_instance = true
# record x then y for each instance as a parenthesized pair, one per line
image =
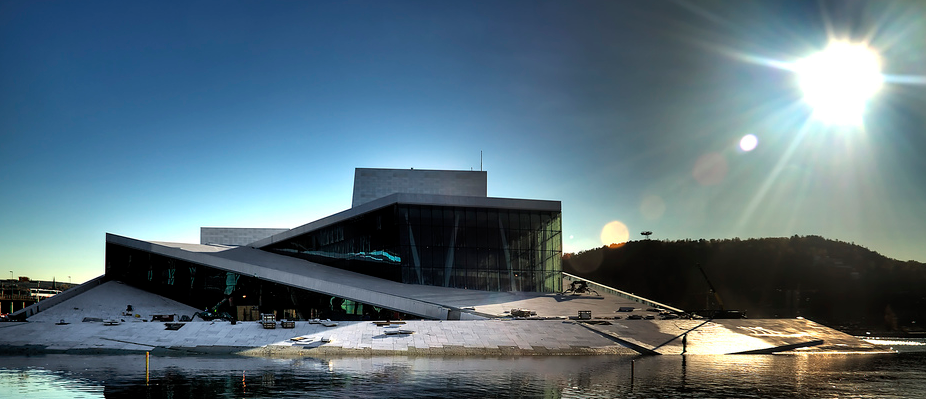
(836, 283)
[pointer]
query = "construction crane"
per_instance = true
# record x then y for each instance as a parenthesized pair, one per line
(711, 286)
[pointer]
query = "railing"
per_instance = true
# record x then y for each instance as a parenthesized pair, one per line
(614, 291)
(54, 300)
(27, 298)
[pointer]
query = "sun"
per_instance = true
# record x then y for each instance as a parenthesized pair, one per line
(838, 81)
(614, 232)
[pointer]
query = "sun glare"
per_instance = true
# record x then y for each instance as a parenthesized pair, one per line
(838, 81)
(749, 142)
(614, 232)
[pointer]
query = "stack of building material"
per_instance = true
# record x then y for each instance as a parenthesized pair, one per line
(268, 320)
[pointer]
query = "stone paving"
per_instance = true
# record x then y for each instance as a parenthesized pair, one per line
(541, 336)
(44, 332)
(450, 336)
(427, 337)
(109, 301)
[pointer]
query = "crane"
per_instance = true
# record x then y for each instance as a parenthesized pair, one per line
(711, 286)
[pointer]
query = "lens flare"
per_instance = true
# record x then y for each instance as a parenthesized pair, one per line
(614, 233)
(749, 142)
(710, 169)
(652, 207)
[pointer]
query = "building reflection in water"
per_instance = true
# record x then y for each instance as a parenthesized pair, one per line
(462, 377)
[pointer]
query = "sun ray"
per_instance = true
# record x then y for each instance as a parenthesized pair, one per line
(747, 216)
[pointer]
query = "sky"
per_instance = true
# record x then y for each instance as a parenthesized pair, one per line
(153, 119)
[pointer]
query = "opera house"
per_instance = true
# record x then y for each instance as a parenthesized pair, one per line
(423, 246)
(420, 228)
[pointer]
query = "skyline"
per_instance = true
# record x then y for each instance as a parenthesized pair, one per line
(152, 120)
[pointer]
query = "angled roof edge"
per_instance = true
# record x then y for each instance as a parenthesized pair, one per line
(422, 170)
(414, 199)
(332, 284)
(187, 252)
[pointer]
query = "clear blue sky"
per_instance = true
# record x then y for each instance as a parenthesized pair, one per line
(151, 119)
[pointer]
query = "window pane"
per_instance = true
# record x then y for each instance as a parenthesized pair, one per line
(414, 215)
(482, 236)
(472, 280)
(472, 259)
(426, 238)
(472, 237)
(438, 276)
(459, 260)
(487, 281)
(448, 217)
(437, 216)
(481, 217)
(426, 277)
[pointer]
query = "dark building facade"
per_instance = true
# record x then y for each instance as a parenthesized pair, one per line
(211, 288)
(471, 247)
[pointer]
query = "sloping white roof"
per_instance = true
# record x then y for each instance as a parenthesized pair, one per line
(422, 300)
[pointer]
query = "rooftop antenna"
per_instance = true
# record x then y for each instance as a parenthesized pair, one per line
(480, 160)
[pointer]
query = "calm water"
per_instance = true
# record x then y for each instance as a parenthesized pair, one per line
(859, 376)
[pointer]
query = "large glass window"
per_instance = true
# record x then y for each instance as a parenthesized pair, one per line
(461, 247)
(368, 244)
(485, 248)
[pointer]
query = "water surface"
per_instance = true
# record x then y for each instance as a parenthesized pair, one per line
(810, 376)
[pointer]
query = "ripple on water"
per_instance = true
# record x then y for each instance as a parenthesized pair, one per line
(809, 376)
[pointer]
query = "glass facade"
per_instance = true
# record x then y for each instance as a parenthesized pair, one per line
(203, 287)
(489, 249)
(366, 244)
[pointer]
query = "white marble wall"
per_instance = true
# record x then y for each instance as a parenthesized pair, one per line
(234, 235)
(371, 184)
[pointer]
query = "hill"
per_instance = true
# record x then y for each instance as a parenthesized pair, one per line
(836, 283)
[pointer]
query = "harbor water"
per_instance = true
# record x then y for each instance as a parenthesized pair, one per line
(900, 375)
